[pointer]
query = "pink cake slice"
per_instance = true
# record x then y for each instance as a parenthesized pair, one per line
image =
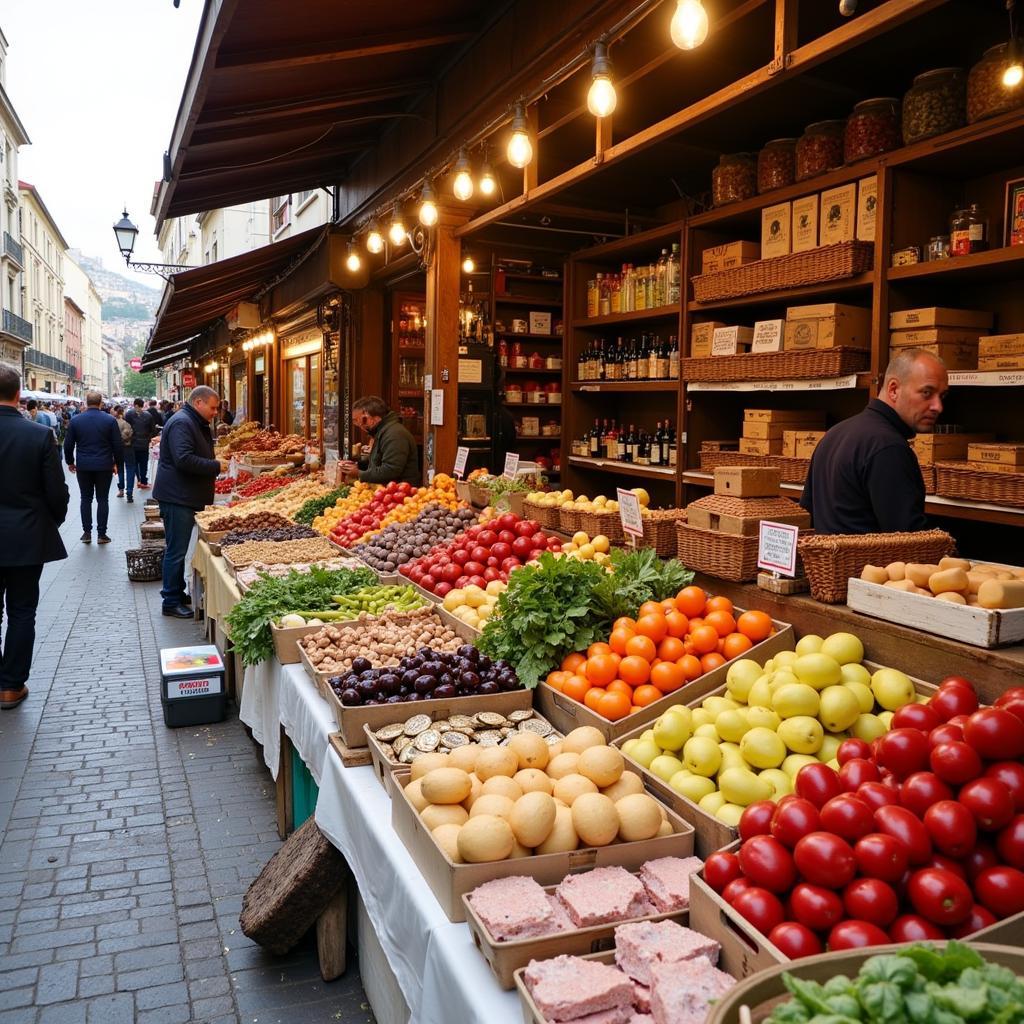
(641, 1018)
(616, 1015)
(561, 922)
(667, 881)
(682, 993)
(569, 987)
(602, 896)
(641, 998)
(513, 908)
(642, 945)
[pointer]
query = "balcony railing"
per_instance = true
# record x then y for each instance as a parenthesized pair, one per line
(14, 249)
(48, 362)
(14, 324)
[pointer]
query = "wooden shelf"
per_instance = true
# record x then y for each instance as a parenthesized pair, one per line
(533, 337)
(526, 300)
(623, 468)
(513, 275)
(986, 378)
(1003, 264)
(808, 291)
(520, 369)
(410, 392)
(530, 405)
(638, 315)
(624, 385)
(538, 438)
(642, 240)
(851, 380)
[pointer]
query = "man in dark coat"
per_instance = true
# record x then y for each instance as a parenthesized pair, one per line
(158, 416)
(185, 476)
(394, 455)
(100, 451)
(33, 504)
(143, 428)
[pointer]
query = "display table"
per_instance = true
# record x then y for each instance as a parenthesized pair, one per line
(221, 593)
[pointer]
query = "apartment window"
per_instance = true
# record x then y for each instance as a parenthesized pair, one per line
(302, 196)
(280, 213)
(214, 251)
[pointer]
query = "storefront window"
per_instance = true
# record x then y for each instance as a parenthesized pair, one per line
(295, 402)
(314, 396)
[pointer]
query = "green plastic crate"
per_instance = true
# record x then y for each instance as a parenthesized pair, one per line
(304, 791)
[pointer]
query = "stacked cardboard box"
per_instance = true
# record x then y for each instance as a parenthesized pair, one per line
(932, 448)
(744, 495)
(727, 257)
(1001, 352)
(827, 325)
(764, 429)
(997, 458)
(951, 335)
(800, 444)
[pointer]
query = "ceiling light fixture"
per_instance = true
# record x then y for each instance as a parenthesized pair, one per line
(689, 26)
(520, 148)
(601, 98)
(462, 186)
(375, 240)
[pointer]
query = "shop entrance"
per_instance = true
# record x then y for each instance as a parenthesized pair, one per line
(258, 382)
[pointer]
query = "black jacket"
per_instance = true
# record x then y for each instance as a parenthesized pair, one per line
(157, 416)
(187, 469)
(97, 437)
(34, 497)
(393, 456)
(864, 476)
(143, 427)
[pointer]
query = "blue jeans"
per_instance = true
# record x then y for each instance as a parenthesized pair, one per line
(129, 465)
(141, 457)
(178, 523)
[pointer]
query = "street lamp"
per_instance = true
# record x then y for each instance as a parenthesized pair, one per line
(126, 233)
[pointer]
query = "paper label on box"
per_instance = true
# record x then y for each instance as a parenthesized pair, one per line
(177, 688)
(776, 549)
(805, 224)
(471, 371)
(629, 513)
(530, 426)
(511, 465)
(775, 230)
(540, 323)
(768, 336)
(837, 214)
(437, 407)
(867, 204)
(176, 660)
(461, 458)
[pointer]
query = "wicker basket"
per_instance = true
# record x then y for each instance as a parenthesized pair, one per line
(791, 471)
(710, 461)
(928, 474)
(801, 364)
(727, 556)
(827, 263)
(569, 520)
(963, 480)
(145, 565)
(831, 559)
(607, 523)
(151, 512)
(660, 530)
(546, 515)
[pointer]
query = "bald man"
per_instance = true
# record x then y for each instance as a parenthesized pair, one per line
(864, 476)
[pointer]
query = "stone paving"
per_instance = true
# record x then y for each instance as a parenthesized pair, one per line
(125, 846)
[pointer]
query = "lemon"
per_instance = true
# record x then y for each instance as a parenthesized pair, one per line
(854, 674)
(892, 689)
(809, 644)
(701, 716)
(642, 496)
(780, 782)
(844, 647)
(764, 718)
(693, 787)
(784, 659)
(741, 786)
(702, 756)
(665, 766)
(587, 551)
(673, 729)
(716, 705)
(709, 731)
(601, 544)
(864, 696)
(817, 670)
(731, 725)
(830, 746)
(629, 746)
(732, 756)
(839, 708)
(763, 748)
(730, 814)
(802, 734)
(795, 699)
(795, 762)
(711, 802)
(645, 752)
(741, 677)
(760, 695)
(868, 728)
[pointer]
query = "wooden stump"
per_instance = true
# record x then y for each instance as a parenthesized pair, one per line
(332, 934)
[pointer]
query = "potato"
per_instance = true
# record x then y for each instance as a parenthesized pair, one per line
(896, 570)
(904, 585)
(874, 574)
(954, 563)
(951, 597)
(918, 573)
(954, 579)
(1001, 594)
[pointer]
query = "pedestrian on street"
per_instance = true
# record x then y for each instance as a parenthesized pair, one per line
(96, 436)
(143, 429)
(158, 416)
(184, 484)
(129, 463)
(33, 504)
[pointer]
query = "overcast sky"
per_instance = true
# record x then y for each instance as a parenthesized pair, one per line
(96, 84)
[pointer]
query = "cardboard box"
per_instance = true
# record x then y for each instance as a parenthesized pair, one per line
(720, 446)
(838, 214)
(955, 357)
(1001, 362)
(940, 316)
(867, 204)
(1001, 345)
(809, 418)
(763, 431)
(935, 336)
(806, 442)
(805, 224)
(759, 446)
(776, 230)
(1007, 454)
(768, 335)
(740, 526)
(828, 310)
(747, 481)
(729, 256)
(829, 332)
(931, 448)
(727, 341)
(701, 337)
(789, 443)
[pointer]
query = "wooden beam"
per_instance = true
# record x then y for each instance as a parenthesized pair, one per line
(530, 170)
(786, 15)
(602, 137)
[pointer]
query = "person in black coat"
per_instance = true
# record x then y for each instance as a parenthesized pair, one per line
(97, 438)
(143, 428)
(33, 504)
(185, 476)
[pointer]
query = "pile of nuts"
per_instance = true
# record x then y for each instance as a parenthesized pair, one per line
(819, 149)
(776, 165)
(291, 531)
(284, 552)
(402, 542)
(936, 103)
(872, 128)
(261, 520)
(734, 178)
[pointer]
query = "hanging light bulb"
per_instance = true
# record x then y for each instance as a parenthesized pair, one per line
(689, 26)
(428, 207)
(1013, 74)
(353, 260)
(375, 240)
(462, 186)
(601, 98)
(488, 183)
(520, 148)
(468, 266)
(397, 230)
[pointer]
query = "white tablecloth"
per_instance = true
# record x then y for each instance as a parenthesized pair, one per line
(260, 709)
(307, 718)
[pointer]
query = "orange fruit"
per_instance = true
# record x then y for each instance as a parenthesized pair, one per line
(635, 708)
(593, 696)
(602, 668)
(642, 647)
(571, 662)
(723, 622)
(667, 676)
(719, 604)
(624, 622)
(710, 661)
(613, 706)
(575, 687)
(598, 649)
(620, 686)
(557, 679)
(736, 644)
(755, 625)
(644, 695)
(671, 649)
(649, 608)
(635, 670)
(690, 601)
(653, 626)
(619, 638)
(678, 624)
(721, 644)
(695, 622)
(704, 639)
(668, 605)
(690, 664)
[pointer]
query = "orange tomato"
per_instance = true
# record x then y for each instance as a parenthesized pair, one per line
(704, 639)
(736, 644)
(755, 625)
(613, 706)
(619, 639)
(690, 601)
(602, 668)
(653, 626)
(644, 695)
(635, 708)
(571, 662)
(710, 661)
(598, 649)
(642, 647)
(723, 622)
(719, 604)
(678, 624)
(635, 670)
(667, 676)
(624, 622)
(620, 686)
(668, 605)
(557, 679)
(593, 696)
(696, 621)
(575, 687)
(649, 608)
(690, 664)
(671, 649)
(721, 644)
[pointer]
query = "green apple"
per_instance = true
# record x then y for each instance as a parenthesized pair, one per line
(673, 729)
(645, 752)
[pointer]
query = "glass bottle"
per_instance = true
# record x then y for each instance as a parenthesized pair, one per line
(673, 364)
(674, 275)
(936, 103)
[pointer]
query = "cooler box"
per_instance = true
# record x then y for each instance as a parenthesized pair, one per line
(192, 685)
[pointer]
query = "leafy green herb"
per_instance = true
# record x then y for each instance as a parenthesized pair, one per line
(638, 576)
(317, 506)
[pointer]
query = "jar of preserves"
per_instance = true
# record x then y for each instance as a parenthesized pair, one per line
(872, 128)
(938, 248)
(776, 165)
(986, 94)
(935, 103)
(968, 230)
(819, 149)
(734, 178)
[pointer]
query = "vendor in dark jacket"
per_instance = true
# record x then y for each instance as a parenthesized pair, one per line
(185, 477)
(864, 476)
(97, 438)
(393, 455)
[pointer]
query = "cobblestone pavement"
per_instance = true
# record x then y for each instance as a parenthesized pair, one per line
(125, 846)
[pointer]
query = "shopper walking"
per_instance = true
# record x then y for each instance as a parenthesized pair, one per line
(95, 435)
(33, 504)
(184, 484)
(128, 466)
(143, 429)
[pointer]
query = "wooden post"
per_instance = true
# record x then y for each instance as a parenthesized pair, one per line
(786, 12)
(283, 793)
(603, 139)
(332, 935)
(530, 178)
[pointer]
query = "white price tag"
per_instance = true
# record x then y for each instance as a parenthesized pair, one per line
(629, 513)
(437, 407)
(776, 550)
(233, 468)
(511, 465)
(461, 457)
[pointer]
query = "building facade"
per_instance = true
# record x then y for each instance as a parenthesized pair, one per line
(297, 212)
(79, 288)
(74, 324)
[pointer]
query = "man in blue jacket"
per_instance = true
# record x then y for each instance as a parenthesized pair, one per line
(185, 477)
(97, 437)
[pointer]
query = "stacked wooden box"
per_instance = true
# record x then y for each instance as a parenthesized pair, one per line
(781, 432)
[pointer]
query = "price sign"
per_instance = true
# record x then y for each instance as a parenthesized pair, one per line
(461, 457)
(233, 468)
(629, 513)
(776, 549)
(511, 465)
(437, 407)
(136, 364)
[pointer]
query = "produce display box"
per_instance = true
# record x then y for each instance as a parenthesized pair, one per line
(286, 641)
(979, 627)
(211, 537)
(531, 1012)
(506, 958)
(566, 714)
(450, 882)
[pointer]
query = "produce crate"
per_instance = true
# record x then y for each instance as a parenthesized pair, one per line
(505, 958)
(450, 881)
(531, 1012)
(798, 364)
(929, 476)
(566, 714)
(791, 471)
(965, 480)
(545, 515)
(569, 520)
(286, 641)
(980, 627)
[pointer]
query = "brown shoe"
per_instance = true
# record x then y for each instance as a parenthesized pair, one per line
(12, 698)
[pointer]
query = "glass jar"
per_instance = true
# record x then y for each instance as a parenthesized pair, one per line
(938, 248)
(968, 230)
(872, 128)
(936, 103)
(819, 149)
(734, 178)
(776, 165)
(986, 94)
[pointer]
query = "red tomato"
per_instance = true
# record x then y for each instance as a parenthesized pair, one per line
(916, 716)
(979, 859)
(824, 859)
(922, 789)
(767, 863)
(1010, 695)
(1015, 705)
(945, 733)
(856, 935)
(952, 828)
(855, 772)
(956, 762)
(756, 819)
(957, 681)
(793, 819)
(979, 918)
(869, 899)
(938, 860)
(508, 521)
(795, 940)
(1001, 890)
(990, 801)
(847, 816)
(734, 888)
(881, 856)
(1010, 842)
(940, 896)
(851, 748)
(1011, 774)
(443, 588)
(905, 826)
(817, 783)
(996, 734)
(914, 928)
(720, 869)
(952, 700)
(903, 751)
(815, 906)
(876, 795)
(760, 907)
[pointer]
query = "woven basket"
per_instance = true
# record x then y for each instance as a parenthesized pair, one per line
(801, 364)
(145, 565)
(791, 471)
(727, 556)
(660, 530)
(569, 520)
(479, 497)
(928, 474)
(710, 461)
(963, 480)
(607, 523)
(151, 512)
(831, 559)
(827, 263)
(546, 515)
